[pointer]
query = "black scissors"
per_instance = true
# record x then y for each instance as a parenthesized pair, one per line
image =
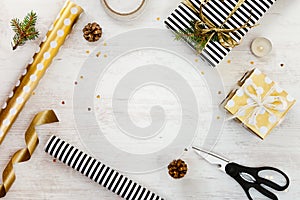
(247, 177)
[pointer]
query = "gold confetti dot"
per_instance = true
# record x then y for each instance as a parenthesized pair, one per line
(33, 93)
(98, 96)
(218, 117)
(104, 44)
(87, 51)
(105, 56)
(98, 54)
(196, 60)
(252, 63)
(81, 77)
(228, 61)
(219, 92)
(158, 18)
(202, 73)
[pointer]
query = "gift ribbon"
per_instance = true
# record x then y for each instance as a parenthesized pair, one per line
(22, 155)
(207, 30)
(268, 103)
(97, 171)
(123, 14)
(38, 66)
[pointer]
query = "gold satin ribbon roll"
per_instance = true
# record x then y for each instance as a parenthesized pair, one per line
(38, 65)
(139, 7)
(129, 15)
(207, 30)
(22, 155)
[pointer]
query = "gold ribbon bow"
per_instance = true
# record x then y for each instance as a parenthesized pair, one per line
(268, 103)
(22, 155)
(206, 31)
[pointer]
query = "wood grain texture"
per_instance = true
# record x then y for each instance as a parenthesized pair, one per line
(41, 178)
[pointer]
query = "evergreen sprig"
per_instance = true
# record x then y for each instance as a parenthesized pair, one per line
(24, 30)
(194, 37)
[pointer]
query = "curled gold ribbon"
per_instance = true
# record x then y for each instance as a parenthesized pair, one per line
(206, 30)
(22, 155)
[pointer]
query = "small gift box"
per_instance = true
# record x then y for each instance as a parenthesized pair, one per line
(214, 27)
(260, 104)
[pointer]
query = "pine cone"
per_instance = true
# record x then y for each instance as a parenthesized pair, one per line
(92, 32)
(177, 169)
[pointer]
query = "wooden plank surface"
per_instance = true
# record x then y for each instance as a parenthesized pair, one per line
(42, 178)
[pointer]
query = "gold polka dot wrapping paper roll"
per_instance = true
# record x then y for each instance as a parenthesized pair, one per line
(38, 65)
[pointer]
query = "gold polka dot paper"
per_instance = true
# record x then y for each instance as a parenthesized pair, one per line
(260, 104)
(38, 65)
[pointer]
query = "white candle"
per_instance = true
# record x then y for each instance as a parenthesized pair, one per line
(261, 46)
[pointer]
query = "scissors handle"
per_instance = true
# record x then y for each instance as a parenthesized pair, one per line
(237, 171)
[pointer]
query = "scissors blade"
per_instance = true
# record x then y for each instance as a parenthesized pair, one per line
(212, 158)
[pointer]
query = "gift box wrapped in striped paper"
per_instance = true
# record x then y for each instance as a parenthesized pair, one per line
(217, 11)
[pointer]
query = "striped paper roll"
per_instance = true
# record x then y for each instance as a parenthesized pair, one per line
(217, 11)
(97, 171)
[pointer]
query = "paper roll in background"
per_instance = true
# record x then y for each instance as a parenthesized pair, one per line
(38, 65)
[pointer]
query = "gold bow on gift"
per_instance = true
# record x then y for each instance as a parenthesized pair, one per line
(204, 30)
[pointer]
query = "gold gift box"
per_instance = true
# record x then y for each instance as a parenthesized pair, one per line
(260, 104)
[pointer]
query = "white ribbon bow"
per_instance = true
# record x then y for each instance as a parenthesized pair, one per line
(267, 103)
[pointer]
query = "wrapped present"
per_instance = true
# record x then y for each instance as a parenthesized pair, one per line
(214, 27)
(260, 104)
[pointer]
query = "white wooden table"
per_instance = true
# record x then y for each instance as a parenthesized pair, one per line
(42, 178)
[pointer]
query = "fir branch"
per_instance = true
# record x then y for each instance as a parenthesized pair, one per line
(192, 36)
(15, 25)
(24, 30)
(29, 20)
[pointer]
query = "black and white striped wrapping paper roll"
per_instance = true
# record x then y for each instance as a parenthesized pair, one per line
(217, 11)
(97, 171)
